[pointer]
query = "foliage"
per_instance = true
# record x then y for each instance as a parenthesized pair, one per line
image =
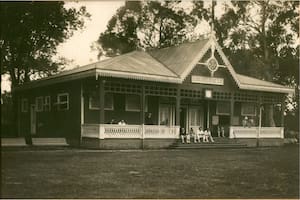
(265, 34)
(30, 33)
(150, 24)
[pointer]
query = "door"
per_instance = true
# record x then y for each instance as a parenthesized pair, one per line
(195, 118)
(32, 120)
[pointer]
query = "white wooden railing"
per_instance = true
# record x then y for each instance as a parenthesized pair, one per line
(103, 131)
(118, 131)
(152, 131)
(90, 130)
(254, 132)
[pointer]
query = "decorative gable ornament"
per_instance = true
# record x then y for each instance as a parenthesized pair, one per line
(212, 63)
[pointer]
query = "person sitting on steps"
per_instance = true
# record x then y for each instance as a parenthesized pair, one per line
(208, 136)
(188, 138)
(195, 135)
(200, 134)
(182, 135)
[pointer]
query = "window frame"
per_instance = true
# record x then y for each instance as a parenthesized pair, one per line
(126, 103)
(110, 95)
(24, 107)
(247, 114)
(91, 107)
(47, 104)
(41, 100)
(59, 103)
(219, 104)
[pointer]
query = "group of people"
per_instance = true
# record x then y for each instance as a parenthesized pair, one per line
(121, 122)
(198, 135)
(248, 122)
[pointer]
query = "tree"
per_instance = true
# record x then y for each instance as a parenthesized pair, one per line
(30, 33)
(264, 33)
(150, 24)
(121, 34)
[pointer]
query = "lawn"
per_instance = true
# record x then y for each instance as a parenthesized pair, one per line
(205, 173)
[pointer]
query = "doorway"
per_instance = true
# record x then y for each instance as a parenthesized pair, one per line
(183, 115)
(195, 118)
(224, 121)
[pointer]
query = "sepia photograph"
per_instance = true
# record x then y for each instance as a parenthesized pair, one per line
(150, 99)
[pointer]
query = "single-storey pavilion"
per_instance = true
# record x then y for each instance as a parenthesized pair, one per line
(189, 85)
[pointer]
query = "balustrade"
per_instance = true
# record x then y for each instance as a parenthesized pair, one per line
(253, 132)
(103, 131)
(122, 131)
(90, 130)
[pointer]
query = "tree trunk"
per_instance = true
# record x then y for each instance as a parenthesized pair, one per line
(267, 63)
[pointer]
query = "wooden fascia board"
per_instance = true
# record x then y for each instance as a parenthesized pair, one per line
(137, 76)
(266, 88)
(59, 79)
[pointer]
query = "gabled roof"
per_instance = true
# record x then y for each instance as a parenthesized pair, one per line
(180, 58)
(171, 65)
(137, 62)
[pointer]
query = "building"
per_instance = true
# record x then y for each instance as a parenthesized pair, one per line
(189, 85)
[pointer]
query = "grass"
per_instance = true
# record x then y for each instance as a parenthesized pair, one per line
(205, 173)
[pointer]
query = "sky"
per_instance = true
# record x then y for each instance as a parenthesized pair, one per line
(78, 47)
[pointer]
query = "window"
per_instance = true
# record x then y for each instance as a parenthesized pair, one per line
(24, 105)
(39, 102)
(248, 109)
(223, 108)
(47, 102)
(166, 114)
(94, 102)
(133, 103)
(63, 101)
(109, 101)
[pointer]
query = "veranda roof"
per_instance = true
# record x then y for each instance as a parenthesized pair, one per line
(170, 65)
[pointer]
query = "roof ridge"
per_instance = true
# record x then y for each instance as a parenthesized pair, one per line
(183, 43)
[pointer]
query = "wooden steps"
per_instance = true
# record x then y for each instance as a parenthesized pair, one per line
(219, 143)
(49, 142)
